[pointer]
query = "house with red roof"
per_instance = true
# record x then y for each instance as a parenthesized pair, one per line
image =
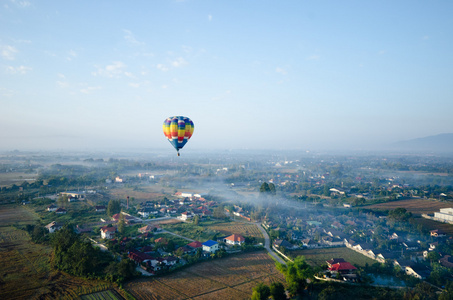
(149, 228)
(161, 240)
(334, 261)
(342, 268)
(235, 239)
(108, 232)
(139, 257)
(195, 245)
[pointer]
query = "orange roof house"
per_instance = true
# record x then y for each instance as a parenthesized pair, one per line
(235, 239)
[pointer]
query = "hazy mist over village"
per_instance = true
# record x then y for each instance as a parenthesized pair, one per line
(226, 150)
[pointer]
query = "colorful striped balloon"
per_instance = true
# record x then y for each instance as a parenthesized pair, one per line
(178, 130)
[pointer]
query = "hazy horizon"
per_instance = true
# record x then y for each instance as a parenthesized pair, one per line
(294, 75)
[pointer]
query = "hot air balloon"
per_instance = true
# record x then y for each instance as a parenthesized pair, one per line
(178, 130)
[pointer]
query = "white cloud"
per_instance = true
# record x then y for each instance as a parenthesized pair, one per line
(113, 70)
(162, 67)
(61, 75)
(6, 92)
(8, 52)
(209, 18)
(314, 57)
(18, 70)
(426, 37)
(281, 71)
(62, 84)
(179, 62)
(130, 38)
(382, 52)
(22, 4)
(187, 49)
(134, 85)
(72, 54)
(90, 89)
(129, 74)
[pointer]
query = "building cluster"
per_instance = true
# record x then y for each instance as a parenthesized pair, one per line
(366, 234)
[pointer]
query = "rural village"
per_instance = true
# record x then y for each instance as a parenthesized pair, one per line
(352, 225)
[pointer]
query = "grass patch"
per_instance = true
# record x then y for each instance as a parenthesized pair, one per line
(195, 232)
(318, 257)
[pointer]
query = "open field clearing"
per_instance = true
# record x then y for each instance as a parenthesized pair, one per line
(25, 271)
(7, 179)
(228, 278)
(139, 196)
(432, 225)
(318, 257)
(415, 206)
(17, 215)
(191, 231)
(245, 229)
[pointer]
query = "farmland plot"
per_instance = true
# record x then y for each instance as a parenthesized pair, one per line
(318, 257)
(25, 267)
(228, 278)
(245, 229)
(415, 206)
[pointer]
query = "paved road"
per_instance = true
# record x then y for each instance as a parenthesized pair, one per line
(267, 244)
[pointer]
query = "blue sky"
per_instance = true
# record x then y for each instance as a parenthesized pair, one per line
(250, 74)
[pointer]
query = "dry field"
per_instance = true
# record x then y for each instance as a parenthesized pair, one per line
(432, 225)
(7, 179)
(25, 271)
(139, 196)
(245, 229)
(415, 206)
(227, 278)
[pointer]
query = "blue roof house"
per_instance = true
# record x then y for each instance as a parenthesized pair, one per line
(210, 246)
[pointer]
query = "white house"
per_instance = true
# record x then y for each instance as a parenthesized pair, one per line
(235, 239)
(210, 246)
(53, 226)
(52, 208)
(444, 215)
(185, 216)
(108, 232)
(146, 212)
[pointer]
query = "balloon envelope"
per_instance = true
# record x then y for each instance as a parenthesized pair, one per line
(178, 130)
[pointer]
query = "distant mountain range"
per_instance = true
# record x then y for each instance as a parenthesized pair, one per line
(441, 143)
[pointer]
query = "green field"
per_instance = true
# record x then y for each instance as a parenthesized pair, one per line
(318, 257)
(191, 231)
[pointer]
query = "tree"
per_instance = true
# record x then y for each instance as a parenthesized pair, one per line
(196, 220)
(38, 234)
(219, 212)
(433, 256)
(261, 292)
(296, 274)
(121, 224)
(278, 291)
(272, 190)
(113, 207)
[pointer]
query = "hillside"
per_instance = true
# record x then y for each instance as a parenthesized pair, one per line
(441, 143)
